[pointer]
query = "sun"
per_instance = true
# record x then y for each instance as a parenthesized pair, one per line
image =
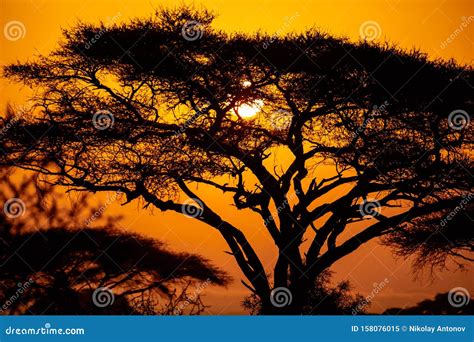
(248, 110)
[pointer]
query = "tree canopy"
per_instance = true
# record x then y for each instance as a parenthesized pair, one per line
(439, 305)
(52, 264)
(151, 108)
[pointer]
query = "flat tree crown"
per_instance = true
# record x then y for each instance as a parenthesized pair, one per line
(152, 106)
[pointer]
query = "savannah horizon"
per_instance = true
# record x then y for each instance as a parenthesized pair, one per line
(370, 265)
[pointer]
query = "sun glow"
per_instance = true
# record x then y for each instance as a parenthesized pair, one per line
(248, 110)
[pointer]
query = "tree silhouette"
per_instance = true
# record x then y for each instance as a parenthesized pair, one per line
(376, 137)
(440, 305)
(323, 299)
(51, 269)
(438, 238)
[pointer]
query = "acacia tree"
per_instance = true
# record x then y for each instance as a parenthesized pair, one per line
(154, 107)
(52, 264)
(63, 271)
(437, 239)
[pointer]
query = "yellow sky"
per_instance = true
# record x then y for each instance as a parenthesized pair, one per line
(424, 24)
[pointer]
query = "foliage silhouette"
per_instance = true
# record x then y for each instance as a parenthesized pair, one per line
(149, 112)
(323, 299)
(59, 268)
(436, 239)
(437, 306)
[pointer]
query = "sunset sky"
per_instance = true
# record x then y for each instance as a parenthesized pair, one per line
(442, 29)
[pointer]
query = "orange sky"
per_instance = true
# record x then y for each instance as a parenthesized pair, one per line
(424, 24)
